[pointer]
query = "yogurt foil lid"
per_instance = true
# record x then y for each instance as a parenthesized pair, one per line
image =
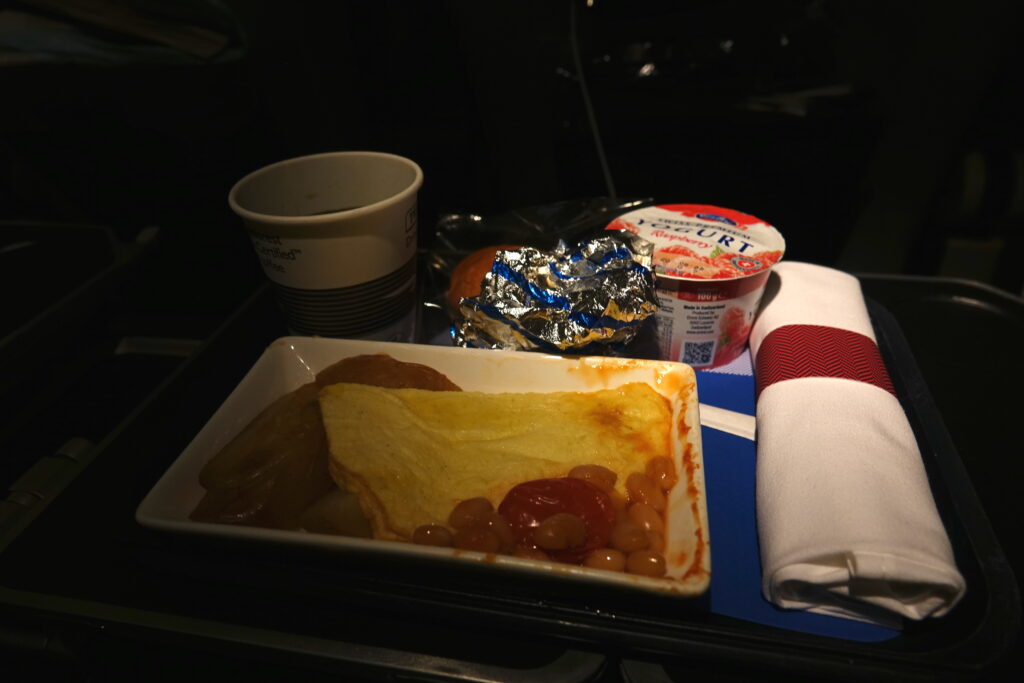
(701, 242)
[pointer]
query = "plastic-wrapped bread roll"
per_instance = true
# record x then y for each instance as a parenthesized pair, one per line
(468, 274)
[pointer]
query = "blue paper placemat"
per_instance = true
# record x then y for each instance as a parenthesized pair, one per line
(729, 472)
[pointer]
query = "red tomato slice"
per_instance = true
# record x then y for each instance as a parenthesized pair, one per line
(530, 503)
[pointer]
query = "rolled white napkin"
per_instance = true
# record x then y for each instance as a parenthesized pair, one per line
(846, 519)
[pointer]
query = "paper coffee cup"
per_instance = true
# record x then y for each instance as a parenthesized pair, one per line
(336, 234)
(711, 265)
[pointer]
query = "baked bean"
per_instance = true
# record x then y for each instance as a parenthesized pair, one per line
(433, 534)
(500, 526)
(468, 512)
(645, 563)
(642, 489)
(662, 471)
(478, 538)
(601, 477)
(627, 537)
(606, 558)
(647, 517)
(560, 531)
(657, 543)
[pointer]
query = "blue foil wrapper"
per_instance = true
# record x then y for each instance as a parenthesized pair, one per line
(591, 298)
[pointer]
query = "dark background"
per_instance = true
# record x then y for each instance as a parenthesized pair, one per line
(879, 137)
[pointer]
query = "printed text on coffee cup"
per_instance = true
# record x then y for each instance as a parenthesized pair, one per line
(271, 254)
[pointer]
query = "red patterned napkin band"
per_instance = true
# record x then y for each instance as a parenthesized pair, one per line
(795, 351)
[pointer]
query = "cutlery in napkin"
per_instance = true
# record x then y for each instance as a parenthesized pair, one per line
(846, 520)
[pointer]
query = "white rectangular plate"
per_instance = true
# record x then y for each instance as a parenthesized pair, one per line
(290, 362)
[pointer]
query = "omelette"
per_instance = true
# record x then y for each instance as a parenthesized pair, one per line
(410, 455)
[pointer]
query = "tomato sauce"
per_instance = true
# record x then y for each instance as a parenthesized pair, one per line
(530, 503)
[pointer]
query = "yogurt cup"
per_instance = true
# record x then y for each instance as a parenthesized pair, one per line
(711, 265)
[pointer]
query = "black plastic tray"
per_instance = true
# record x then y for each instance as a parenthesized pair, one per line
(55, 277)
(84, 563)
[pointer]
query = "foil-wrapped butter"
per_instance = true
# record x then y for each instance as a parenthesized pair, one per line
(591, 298)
